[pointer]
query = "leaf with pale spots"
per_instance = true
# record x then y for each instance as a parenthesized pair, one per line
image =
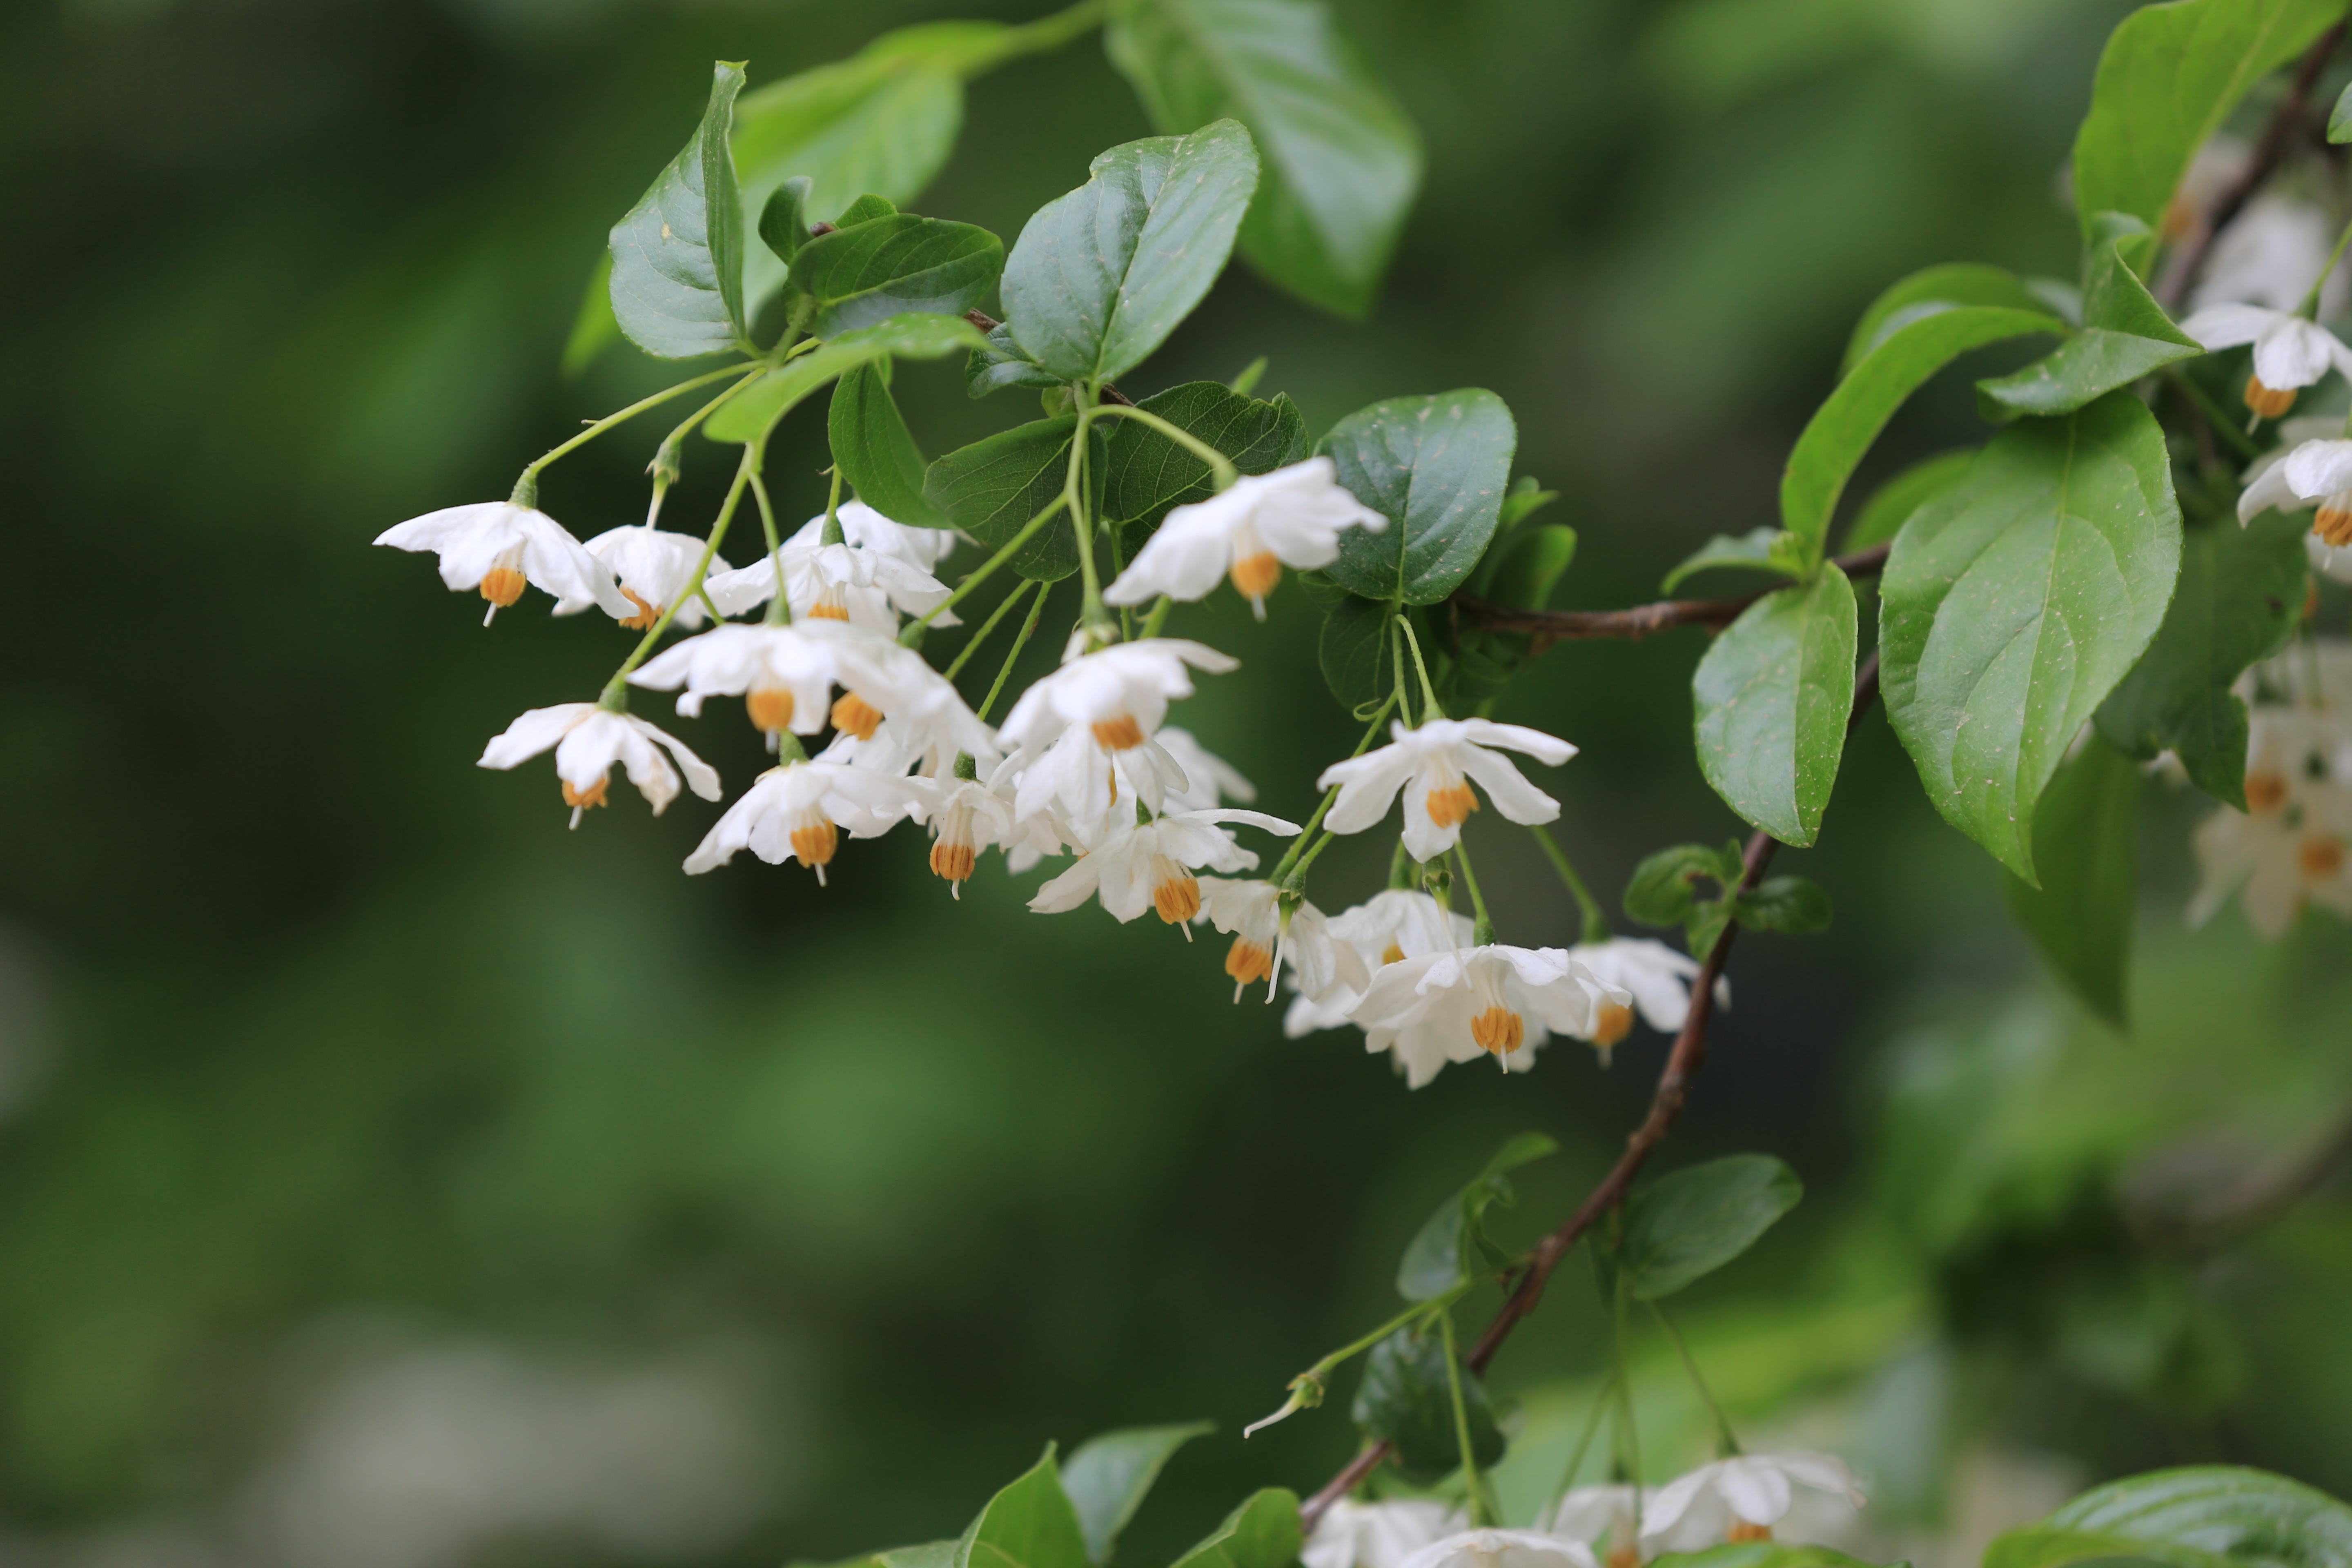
(1436, 468)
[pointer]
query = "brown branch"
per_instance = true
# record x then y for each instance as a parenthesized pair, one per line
(2259, 1196)
(2182, 271)
(1690, 1054)
(1642, 620)
(988, 323)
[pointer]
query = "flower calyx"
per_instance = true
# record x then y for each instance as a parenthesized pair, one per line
(1307, 1391)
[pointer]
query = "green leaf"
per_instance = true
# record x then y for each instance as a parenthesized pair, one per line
(1029, 1524)
(1435, 468)
(993, 488)
(1761, 1554)
(1352, 650)
(1100, 276)
(1001, 364)
(1770, 701)
(2339, 119)
(1342, 162)
(2081, 916)
(1764, 549)
(2125, 334)
(2012, 604)
(1891, 503)
(2202, 1516)
(1451, 1246)
(2241, 597)
(1149, 473)
(1530, 565)
(1262, 1533)
(1526, 496)
(783, 219)
(677, 256)
(1792, 905)
(2167, 79)
(1929, 291)
(885, 266)
(1842, 430)
(1406, 1400)
(930, 1554)
(866, 209)
(1664, 887)
(1108, 1477)
(915, 335)
(876, 451)
(1700, 1218)
(593, 329)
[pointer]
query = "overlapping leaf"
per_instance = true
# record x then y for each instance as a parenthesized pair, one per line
(766, 400)
(2081, 916)
(1107, 1478)
(1770, 700)
(1147, 473)
(2203, 1516)
(992, 489)
(1435, 468)
(871, 271)
(1406, 1399)
(1029, 1524)
(1451, 1246)
(676, 286)
(2125, 335)
(875, 450)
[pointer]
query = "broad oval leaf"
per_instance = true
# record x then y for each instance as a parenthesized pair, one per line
(677, 256)
(1770, 701)
(1699, 1219)
(873, 271)
(1100, 276)
(1436, 468)
(1029, 1524)
(1406, 1400)
(1264, 1532)
(2202, 1516)
(747, 415)
(1341, 159)
(2014, 601)
(1932, 290)
(1451, 1245)
(991, 490)
(2081, 916)
(1108, 1476)
(1850, 419)
(1149, 473)
(875, 450)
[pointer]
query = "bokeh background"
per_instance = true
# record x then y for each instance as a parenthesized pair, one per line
(392, 1179)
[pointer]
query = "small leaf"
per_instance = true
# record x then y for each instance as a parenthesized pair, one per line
(867, 208)
(677, 256)
(2125, 334)
(1448, 1248)
(1528, 567)
(593, 329)
(2241, 597)
(1526, 496)
(876, 451)
(1100, 276)
(2016, 600)
(1406, 1400)
(1665, 885)
(1262, 1533)
(750, 412)
(2081, 916)
(2202, 1516)
(1770, 549)
(1029, 1524)
(2339, 119)
(1435, 468)
(1353, 652)
(869, 272)
(1792, 905)
(1149, 473)
(1890, 506)
(784, 220)
(1770, 700)
(1699, 1219)
(1107, 1478)
(1001, 364)
(992, 489)
(1931, 290)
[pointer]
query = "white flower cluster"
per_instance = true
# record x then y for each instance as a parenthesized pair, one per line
(1735, 1499)
(2292, 845)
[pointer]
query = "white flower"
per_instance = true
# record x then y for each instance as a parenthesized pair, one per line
(2269, 254)
(1352, 1534)
(657, 569)
(965, 816)
(1250, 531)
(797, 812)
(498, 547)
(2329, 561)
(1210, 780)
(1266, 938)
(1430, 764)
(2290, 352)
(1134, 866)
(588, 740)
(1658, 977)
(1502, 1549)
(1094, 720)
(2292, 845)
(1402, 922)
(1740, 1498)
(1456, 1004)
(1588, 1513)
(880, 569)
(2314, 676)
(2312, 473)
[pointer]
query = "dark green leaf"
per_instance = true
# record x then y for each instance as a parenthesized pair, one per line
(1341, 159)
(885, 266)
(1933, 290)
(1665, 885)
(1530, 565)
(1792, 906)
(1406, 1399)
(1891, 503)
(1435, 468)
(677, 256)
(2125, 334)
(783, 219)
(2241, 597)
(1353, 652)
(1108, 1477)
(1001, 364)
(1699, 1219)
(593, 329)
(1842, 430)
(876, 451)
(1262, 1533)
(1100, 276)
(2013, 603)
(914, 336)
(993, 488)
(1769, 703)
(866, 209)
(1029, 1524)
(2203, 1516)
(2081, 916)
(1150, 473)
(1451, 1245)
(1770, 549)
(2167, 79)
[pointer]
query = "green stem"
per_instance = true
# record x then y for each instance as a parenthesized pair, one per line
(526, 489)
(1219, 464)
(616, 691)
(1482, 1509)
(1429, 707)
(1596, 924)
(1727, 1443)
(2309, 309)
(2224, 423)
(832, 534)
(1483, 928)
(1630, 1447)
(987, 569)
(1297, 852)
(780, 608)
(1158, 618)
(1583, 1446)
(1092, 615)
(1039, 36)
(1028, 630)
(964, 655)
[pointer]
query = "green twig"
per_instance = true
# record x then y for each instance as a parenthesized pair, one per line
(1596, 924)
(1482, 1508)
(1728, 1444)
(964, 655)
(1028, 629)
(526, 487)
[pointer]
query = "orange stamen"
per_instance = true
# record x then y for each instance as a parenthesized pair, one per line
(815, 844)
(1613, 1023)
(581, 798)
(2270, 402)
(2265, 792)
(502, 585)
(853, 715)
(1256, 575)
(1247, 962)
(1178, 899)
(2334, 526)
(1118, 733)
(1499, 1030)
(1743, 1531)
(2321, 859)
(1391, 953)
(954, 861)
(771, 708)
(1450, 808)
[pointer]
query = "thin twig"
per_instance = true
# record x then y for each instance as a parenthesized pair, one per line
(1642, 620)
(1690, 1054)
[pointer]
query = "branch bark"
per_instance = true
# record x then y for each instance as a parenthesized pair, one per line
(1690, 1054)
(1642, 620)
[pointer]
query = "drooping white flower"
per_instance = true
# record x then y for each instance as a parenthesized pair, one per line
(1250, 532)
(1265, 940)
(1658, 977)
(1457, 1004)
(1134, 866)
(657, 569)
(2269, 254)
(1352, 1534)
(588, 740)
(2292, 845)
(1094, 721)
(1432, 766)
(799, 811)
(965, 816)
(1590, 1513)
(497, 547)
(1398, 923)
(2311, 473)
(878, 570)
(2290, 352)
(1503, 1549)
(1738, 1498)
(1210, 780)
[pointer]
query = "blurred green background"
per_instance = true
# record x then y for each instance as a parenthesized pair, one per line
(389, 1178)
